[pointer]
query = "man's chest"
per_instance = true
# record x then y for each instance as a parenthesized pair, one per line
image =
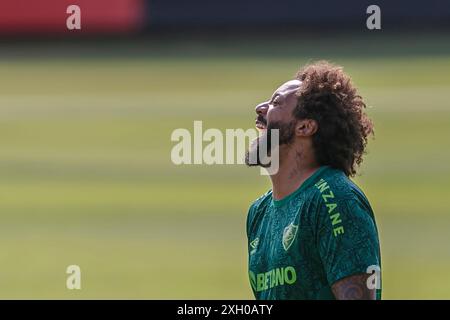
(278, 248)
(275, 239)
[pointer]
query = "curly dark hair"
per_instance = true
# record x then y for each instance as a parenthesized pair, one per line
(328, 96)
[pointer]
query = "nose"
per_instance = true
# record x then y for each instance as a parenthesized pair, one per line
(261, 109)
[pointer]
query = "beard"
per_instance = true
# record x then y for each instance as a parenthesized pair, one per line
(286, 132)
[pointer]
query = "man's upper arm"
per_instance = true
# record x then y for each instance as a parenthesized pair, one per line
(353, 288)
(347, 256)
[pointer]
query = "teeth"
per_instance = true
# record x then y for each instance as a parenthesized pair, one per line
(260, 126)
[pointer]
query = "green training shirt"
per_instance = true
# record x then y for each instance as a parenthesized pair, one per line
(322, 232)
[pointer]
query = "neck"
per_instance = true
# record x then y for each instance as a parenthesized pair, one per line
(294, 169)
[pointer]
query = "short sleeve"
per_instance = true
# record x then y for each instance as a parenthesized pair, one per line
(347, 239)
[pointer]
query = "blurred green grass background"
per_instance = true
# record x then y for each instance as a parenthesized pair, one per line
(86, 176)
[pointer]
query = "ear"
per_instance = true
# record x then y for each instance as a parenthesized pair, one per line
(306, 127)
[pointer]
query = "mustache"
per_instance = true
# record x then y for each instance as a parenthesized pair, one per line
(261, 119)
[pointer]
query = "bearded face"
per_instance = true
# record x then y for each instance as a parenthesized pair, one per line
(262, 147)
(276, 122)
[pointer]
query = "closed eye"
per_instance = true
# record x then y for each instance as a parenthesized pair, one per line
(276, 101)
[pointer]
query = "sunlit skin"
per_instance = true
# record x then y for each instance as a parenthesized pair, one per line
(297, 160)
(297, 163)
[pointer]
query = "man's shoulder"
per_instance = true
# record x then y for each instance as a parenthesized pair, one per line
(335, 188)
(257, 209)
(261, 202)
(336, 184)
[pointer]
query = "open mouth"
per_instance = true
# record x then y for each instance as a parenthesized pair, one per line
(260, 125)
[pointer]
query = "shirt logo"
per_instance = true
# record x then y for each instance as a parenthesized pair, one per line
(272, 278)
(254, 245)
(289, 234)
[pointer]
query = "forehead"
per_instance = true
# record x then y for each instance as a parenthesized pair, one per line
(288, 87)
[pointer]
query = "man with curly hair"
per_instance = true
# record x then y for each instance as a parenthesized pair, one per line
(313, 235)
